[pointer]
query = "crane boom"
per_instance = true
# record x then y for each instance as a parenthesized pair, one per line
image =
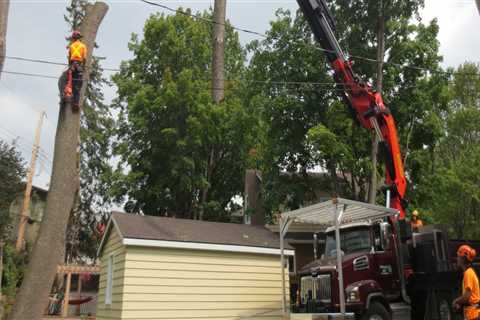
(368, 104)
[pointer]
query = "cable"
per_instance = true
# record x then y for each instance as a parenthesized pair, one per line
(322, 85)
(204, 19)
(30, 74)
(371, 60)
(50, 62)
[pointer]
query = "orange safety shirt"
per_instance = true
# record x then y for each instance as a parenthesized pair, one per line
(470, 281)
(416, 224)
(77, 51)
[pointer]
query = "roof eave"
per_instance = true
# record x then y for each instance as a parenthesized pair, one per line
(203, 246)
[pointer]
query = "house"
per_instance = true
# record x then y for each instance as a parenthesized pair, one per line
(166, 268)
(36, 210)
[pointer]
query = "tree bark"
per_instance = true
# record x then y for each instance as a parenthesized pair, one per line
(3, 51)
(4, 4)
(49, 249)
(372, 191)
(218, 85)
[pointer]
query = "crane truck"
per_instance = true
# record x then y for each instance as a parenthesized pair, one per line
(389, 271)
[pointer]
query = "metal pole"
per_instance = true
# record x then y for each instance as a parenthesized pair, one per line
(341, 294)
(388, 199)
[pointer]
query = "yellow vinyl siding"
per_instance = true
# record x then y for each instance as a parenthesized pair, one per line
(112, 246)
(161, 283)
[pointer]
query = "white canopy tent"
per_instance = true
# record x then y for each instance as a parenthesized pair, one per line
(335, 212)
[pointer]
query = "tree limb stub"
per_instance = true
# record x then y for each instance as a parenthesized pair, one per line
(49, 249)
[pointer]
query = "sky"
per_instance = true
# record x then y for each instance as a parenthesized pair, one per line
(36, 29)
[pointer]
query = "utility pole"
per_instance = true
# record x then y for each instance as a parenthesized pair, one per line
(218, 85)
(28, 190)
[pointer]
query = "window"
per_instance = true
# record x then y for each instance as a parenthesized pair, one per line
(109, 288)
(356, 240)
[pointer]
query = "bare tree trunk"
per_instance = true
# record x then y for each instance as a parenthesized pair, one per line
(218, 85)
(49, 249)
(3, 51)
(372, 191)
(4, 4)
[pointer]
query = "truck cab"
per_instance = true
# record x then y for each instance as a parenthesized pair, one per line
(370, 271)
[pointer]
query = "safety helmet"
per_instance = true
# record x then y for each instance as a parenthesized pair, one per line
(76, 35)
(467, 252)
(415, 213)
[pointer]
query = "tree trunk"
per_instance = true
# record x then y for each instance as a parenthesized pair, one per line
(218, 91)
(4, 4)
(49, 249)
(372, 191)
(3, 51)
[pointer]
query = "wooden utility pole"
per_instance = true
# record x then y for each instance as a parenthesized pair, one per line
(4, 4)
(28, 190)
(49, 249)
(373, 186)
(218, 84)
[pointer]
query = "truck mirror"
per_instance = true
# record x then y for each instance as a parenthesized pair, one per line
(385, 235)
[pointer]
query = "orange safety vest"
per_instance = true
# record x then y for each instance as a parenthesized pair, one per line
(77, 51)
(470, 281)
(416, 224)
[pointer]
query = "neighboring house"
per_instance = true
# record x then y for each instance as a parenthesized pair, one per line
(166, 268)
(38, 200)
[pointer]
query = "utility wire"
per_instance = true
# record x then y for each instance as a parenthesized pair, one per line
(370, 60)
(263, 35)
(204, 19)
(50, 62)
(319, 86)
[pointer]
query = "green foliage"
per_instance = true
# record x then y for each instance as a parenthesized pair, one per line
(14, 266)
(307, 126)
(96, 132)
(449, 173)
(12, 171)
(180, 153)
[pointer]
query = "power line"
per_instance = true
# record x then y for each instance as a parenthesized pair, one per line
(50, 62)
(370, 60)
(28, 143)
(204, 19)
(30, 74)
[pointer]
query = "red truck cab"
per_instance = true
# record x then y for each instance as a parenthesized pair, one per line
(370, 270)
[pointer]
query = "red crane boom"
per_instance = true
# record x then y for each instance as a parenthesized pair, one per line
(368, 104)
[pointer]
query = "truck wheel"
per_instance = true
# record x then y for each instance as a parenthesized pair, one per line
(376, 312)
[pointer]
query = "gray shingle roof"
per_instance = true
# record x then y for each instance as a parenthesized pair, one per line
(185, 230)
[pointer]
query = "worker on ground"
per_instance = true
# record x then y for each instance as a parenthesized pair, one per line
(470, 298)
(416, 222)
(77, 55)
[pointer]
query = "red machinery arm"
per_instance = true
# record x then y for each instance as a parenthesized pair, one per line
(368, 104)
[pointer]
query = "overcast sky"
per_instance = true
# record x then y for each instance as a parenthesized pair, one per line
(36, 29)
